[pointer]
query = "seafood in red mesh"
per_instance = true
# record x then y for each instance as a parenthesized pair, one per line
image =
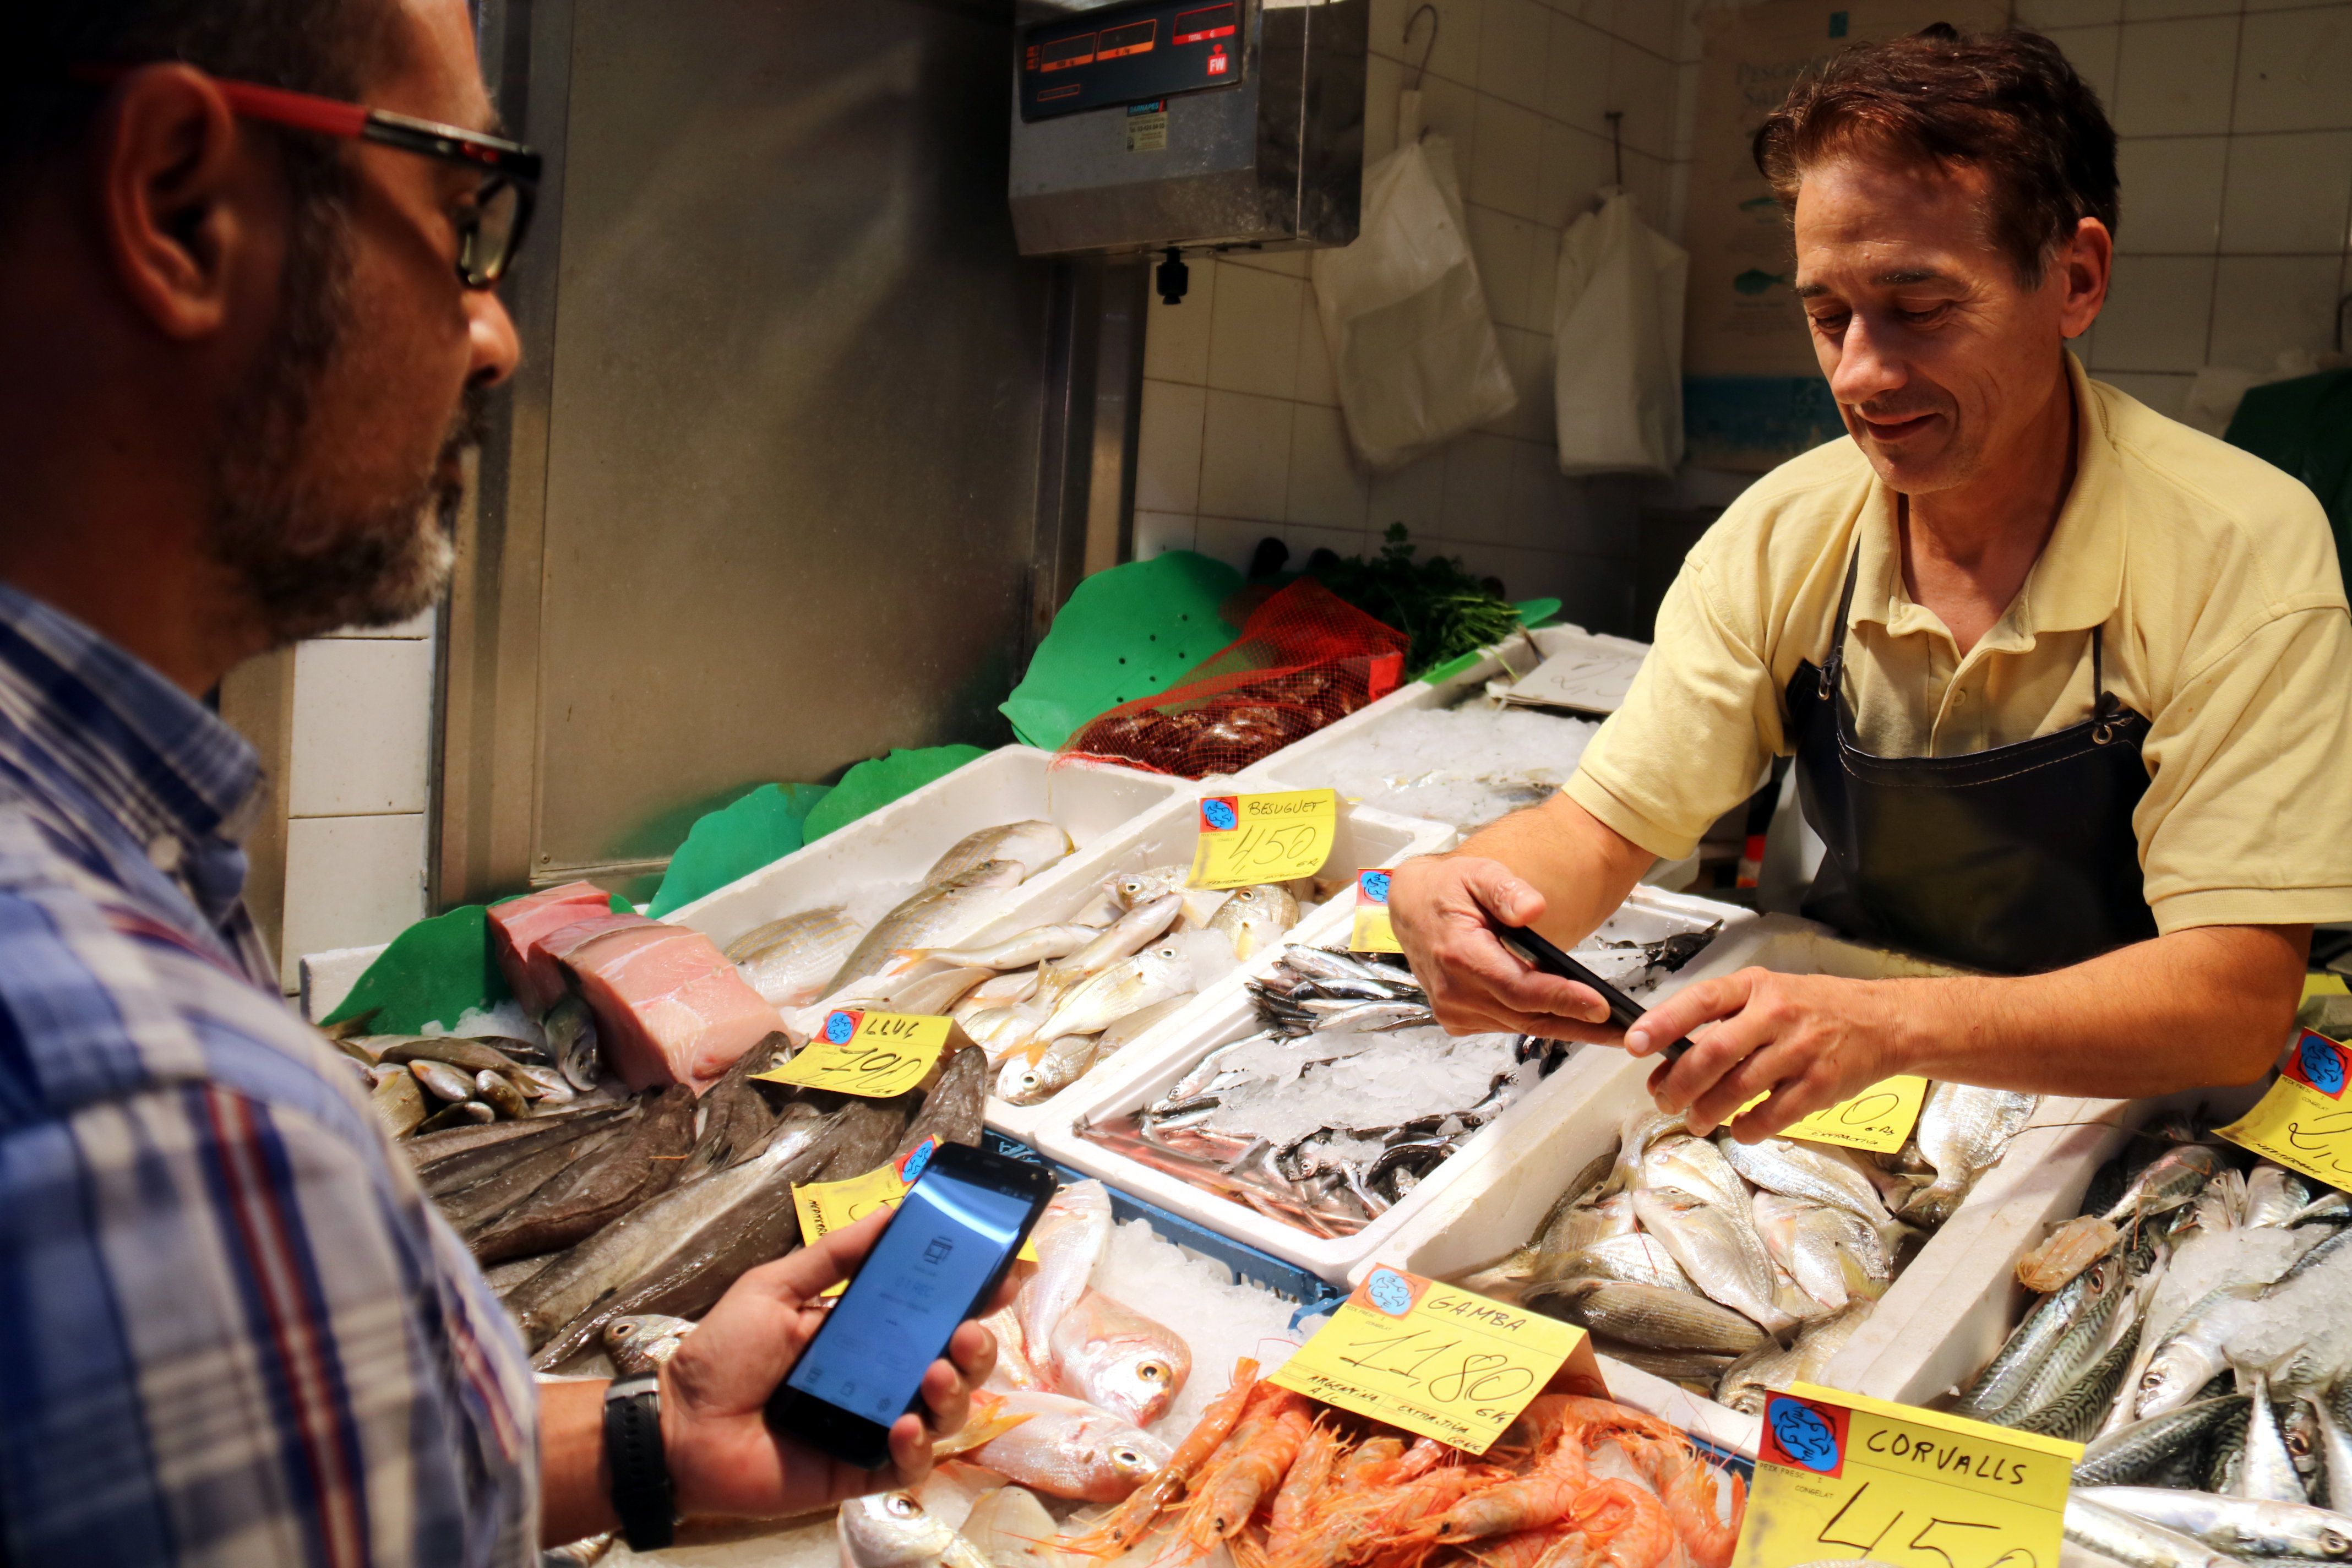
(1305, 658)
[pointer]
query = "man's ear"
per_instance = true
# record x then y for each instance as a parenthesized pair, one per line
(2085, 263)
(170, 199)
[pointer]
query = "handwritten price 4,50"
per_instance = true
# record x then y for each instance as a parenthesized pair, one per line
(1954, 1532)
(1271, 846)
(1478, 1377)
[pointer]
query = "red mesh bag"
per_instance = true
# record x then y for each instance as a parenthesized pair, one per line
(1305, 658)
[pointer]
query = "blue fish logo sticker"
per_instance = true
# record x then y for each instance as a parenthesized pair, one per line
(1390, 1292)
(1218, 815)
(2322, 1064)
(911, 1166)
(1375, 885)
(839, 1026)
(1801, 1437)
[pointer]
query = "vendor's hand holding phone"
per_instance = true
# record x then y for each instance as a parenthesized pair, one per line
(1444, 909)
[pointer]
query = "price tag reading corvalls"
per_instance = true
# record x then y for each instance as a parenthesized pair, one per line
(2305, 1123)
(825, 1207)
(1436, 1361)
(1373, 933)
(875, 1055)
(1843, 1476)
(1250, 838)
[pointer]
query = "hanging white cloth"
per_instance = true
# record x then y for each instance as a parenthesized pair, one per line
(1617, 335)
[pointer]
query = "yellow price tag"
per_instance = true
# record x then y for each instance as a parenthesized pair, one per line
(1246, 839)
(1879, 1119)
(875, 1055)
(1842, 1477)
(1373, 933)
(1436, 1361)
(2318, 984)
(2305, 1123)
(825, 1207)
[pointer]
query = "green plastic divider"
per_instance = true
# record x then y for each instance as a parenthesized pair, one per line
(766, 824)
(870, 785)
(1126, 632)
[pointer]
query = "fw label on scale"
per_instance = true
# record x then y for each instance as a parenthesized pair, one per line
(878, 1055)
(1843, 1476)
(1250, 838)
(1373, 932)
(1437, 1361)
(2305, 1121)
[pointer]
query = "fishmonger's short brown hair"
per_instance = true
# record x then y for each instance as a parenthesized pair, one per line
(2007, 103)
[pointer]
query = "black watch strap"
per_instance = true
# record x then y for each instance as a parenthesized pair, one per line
(640, 1470)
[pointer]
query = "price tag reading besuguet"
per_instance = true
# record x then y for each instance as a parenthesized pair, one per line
(824, 1207)
(2305, 1123)
(1373, 932)
(1436, 1361)
(1843, 1476)
(1246, 839)
(875, 1055)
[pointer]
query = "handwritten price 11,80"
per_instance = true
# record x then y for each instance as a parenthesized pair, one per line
(1972, 1544)
(1426, 1360)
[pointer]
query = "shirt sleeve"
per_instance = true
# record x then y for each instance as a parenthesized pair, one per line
(2249, 798)
(1697, 732)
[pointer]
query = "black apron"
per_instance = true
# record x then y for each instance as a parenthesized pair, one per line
(2016, 860)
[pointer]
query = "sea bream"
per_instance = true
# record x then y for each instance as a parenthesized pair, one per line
(923, 917)
(788, 961)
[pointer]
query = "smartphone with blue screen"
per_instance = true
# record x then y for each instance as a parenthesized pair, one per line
(938, 1261)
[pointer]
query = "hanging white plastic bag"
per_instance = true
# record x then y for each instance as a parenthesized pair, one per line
(1617, 335)
(1412, 348)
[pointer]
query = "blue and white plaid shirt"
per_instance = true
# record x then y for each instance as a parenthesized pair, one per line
(232, 1327)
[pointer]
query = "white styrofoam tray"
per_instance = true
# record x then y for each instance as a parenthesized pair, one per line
(1646, 916)
(1504, 1188)
(1298, 764)
(1165, 838)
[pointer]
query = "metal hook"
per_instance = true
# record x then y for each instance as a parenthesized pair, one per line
(1427, 49)
(1616, 117)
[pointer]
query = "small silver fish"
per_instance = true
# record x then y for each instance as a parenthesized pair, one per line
(1133, 887)
(2242, 1527)
(2275, 1195)
(1035, 1074)
(1032, 946)
(445, 1081)
(571, 1036)
(1145, 922)
(787, 962)
(1108, 995)
(2135, 1542)
(929, 913)
(499, 1092)
(891, 1529)
(1033, 844)
(644, 1341)
(1253, 917)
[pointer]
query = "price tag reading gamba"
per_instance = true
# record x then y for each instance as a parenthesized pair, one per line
(1250, 838)
(1843, 1476)
(1373, 932)
(2305, 1121)
(875, 1055)
(1436, 1361)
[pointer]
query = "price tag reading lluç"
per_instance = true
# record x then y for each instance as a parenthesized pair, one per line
(825, 1207)
(876, 1055)
(2305, 1123)
(1879, 1119)
(1436, 1361)
(1844, 1477)
(1373, 933)
(1250, 838)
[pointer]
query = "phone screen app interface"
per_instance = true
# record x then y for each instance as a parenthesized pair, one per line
(941, 1248)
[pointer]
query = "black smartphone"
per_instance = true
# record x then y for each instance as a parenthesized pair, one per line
(937, 1263)
(1543, 955)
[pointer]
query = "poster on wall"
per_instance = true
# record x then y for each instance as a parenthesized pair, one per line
(1753, 395)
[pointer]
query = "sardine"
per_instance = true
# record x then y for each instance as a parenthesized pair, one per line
(787, 962)
(2242, 1527)
(1032, 946)
(1068, 1448)
(1801, 1171)
(1110, 994)
(891, 1529)
(1717, 1247)
(642, 1341)
(1963, 1132)
(1253, 917)
(926, 916)
(2268, 1474)
(1112, 1356)
(2136, 1450)
(1645, 1315)
(2135, 1542)
(1033, 846)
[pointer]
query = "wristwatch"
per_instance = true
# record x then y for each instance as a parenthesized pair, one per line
(641, 1494)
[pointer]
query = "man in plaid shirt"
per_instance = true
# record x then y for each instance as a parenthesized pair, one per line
(243, 321)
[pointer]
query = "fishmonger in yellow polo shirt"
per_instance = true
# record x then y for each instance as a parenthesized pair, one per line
(2068, 685)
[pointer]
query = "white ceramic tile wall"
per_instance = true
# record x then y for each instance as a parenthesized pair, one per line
(2236, 124)
(357, 788)
(1242, 436)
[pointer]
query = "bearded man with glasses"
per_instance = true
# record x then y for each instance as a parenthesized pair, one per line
(247, 256)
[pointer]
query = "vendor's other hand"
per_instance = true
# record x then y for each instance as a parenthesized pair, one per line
(1811, 1040)
(724, 1460)
(1445, 907)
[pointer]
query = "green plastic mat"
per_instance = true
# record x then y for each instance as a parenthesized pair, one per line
(1127, 633)
(870, 785)
(434, 973)
(766, 824)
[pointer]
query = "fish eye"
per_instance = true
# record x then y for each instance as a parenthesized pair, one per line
(1152, 1372)
(903, 1506)
(1128, 1457)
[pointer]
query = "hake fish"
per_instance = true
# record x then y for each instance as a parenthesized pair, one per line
(1032, 845)
(922, 918)
(787, 962)
(643, 1341)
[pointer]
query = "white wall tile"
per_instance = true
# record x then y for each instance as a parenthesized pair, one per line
(1525, 573)
(1253, 334)
(2173, 79)
(1514, 41)
(2155, 315)
(1478, 473)
(1168, 448)
(2295, 70)
(2164, 393)
(1530, 357)
(1383, 79)
(1575, 166)
(1176, 337)
(2161, 10)
(2091, 51)
(1652, 24)
(1505, 248)
(1543, 280)
(1506, 170)
(2288, 193)
(362, 726)
(1246, 457)
(2171, 194)
(351, 881)
(1577, 82)
(1414, 495)
(1643, 85)
(1316, 383)
(1451, 110)
(1157, 532)
(1327, 488)
(2264, 306)
(2046, 14)
(1455, 57)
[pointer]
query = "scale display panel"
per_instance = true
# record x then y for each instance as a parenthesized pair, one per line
(1132, 55)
